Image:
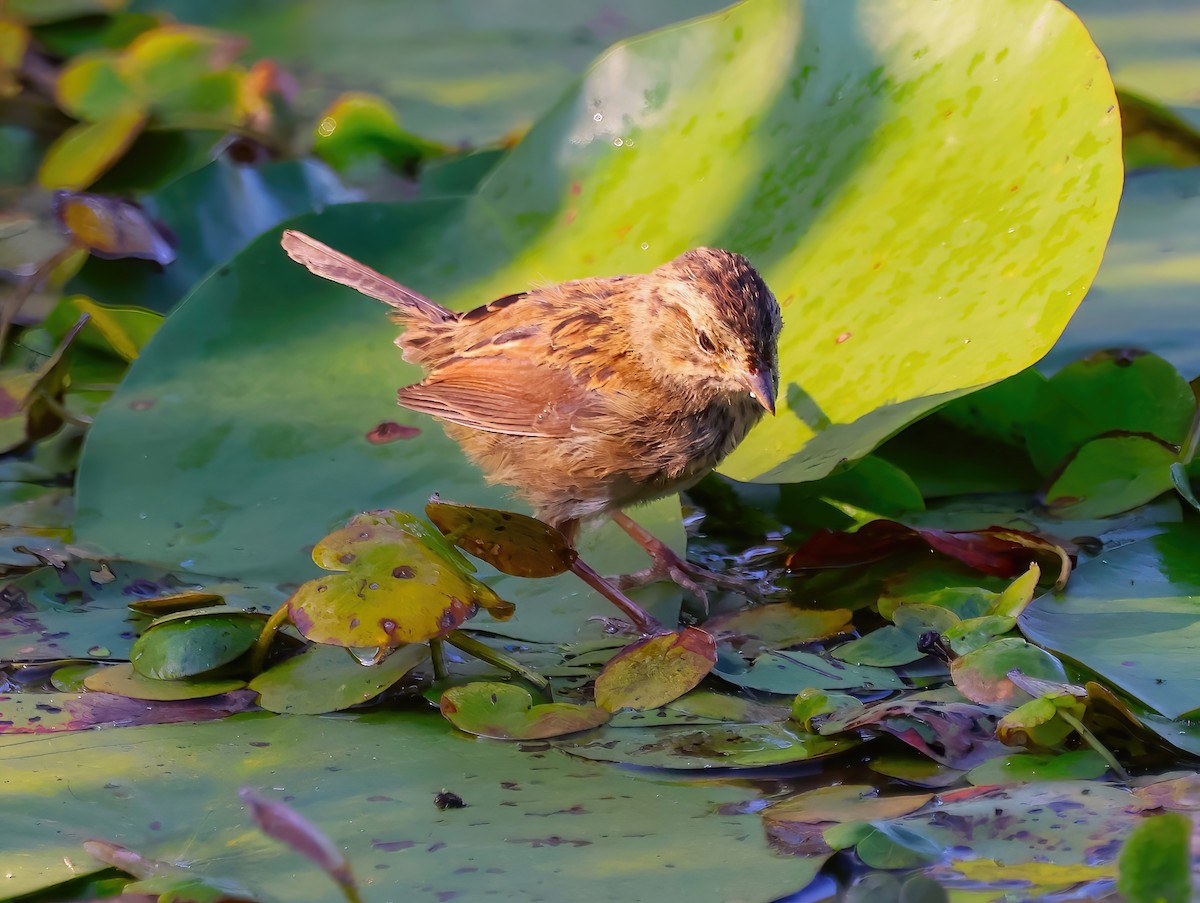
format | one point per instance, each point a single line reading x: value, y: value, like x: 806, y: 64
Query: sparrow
x: 594, y: 395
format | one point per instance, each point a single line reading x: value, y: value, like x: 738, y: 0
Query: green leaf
x: 195, y: 642
x: 1111, y: 474
x: 507, y: 712
x: 1120, y: 390
x: 1155, y: 864
x: 792, y: 672
x: 90, y: 87
x: 1080, y: 764
x: 981, y: 674
x: 325, y: 679
x: 361, y: 126
x: 84, y: 151
x: 1130, y: 617
x: 124, y: 681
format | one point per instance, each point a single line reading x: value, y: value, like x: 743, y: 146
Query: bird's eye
x: 706, y: 343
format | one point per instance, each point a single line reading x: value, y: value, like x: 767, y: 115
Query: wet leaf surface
x: 512, y: 543
x: 656, y: 670
x: 1111, y: 474
x: 940, y: 724
x: 507, y: 712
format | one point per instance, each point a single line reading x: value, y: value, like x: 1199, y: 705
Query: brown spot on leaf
x: 403, y: 572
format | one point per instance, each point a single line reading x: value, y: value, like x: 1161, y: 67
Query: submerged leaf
x: 777, y: 626
x: 507, y: 712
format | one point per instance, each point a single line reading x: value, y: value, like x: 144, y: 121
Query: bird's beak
x: 761, y: 386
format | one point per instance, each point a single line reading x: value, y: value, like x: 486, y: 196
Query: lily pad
x: 536, y: 824
x: 123, y: 680
x: 326, y: 679
x: 656, y: 670
x: 1080, y: 764
x: 982, y: 674
x: 507, y: 712
x: 1111, y: 474
x: 196, y: 643
x: 791, y: 672
x: 395, y: 589
x: 47, y: 713
x: 511, y: 543
x: 1130, y: 616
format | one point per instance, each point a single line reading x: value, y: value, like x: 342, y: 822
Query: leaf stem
x: 1095, y: 744
x: 437, y: 652
x: 258, y: 652
x: 484, y: 652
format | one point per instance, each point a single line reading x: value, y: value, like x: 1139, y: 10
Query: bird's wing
x: 504, y: 395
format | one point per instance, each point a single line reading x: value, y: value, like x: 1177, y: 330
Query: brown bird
x: 596, y: 394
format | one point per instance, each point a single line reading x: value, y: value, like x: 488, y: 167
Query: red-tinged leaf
x: 400, y: 585
x: 511, y: 543
x: 112, y: 228
x: 656, y: 670
x: 506, y: 712
x: 938, y: 724
x: 982, y: 674
x: 46, y: 713
x: 1000, y: 551
x: 285, y: 824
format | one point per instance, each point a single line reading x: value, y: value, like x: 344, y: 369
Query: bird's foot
x: 691, y: 577
x: 669, y: 565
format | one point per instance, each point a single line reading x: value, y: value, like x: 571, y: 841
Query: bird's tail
x: 337, y: 267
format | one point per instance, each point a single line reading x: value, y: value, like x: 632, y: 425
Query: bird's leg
x: 670, y: 566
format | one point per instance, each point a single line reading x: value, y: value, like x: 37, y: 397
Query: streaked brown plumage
x: 592, y: 395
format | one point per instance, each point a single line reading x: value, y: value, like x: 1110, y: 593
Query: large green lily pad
x: 536, y: 824
x: 1132, y: 617
x: 803, y: 135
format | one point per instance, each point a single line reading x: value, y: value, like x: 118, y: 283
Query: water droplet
x: 617, y: 142
x: 599, y: 117
x: 99, y: 652
x: 142, y: 515
x: 645, y: 246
